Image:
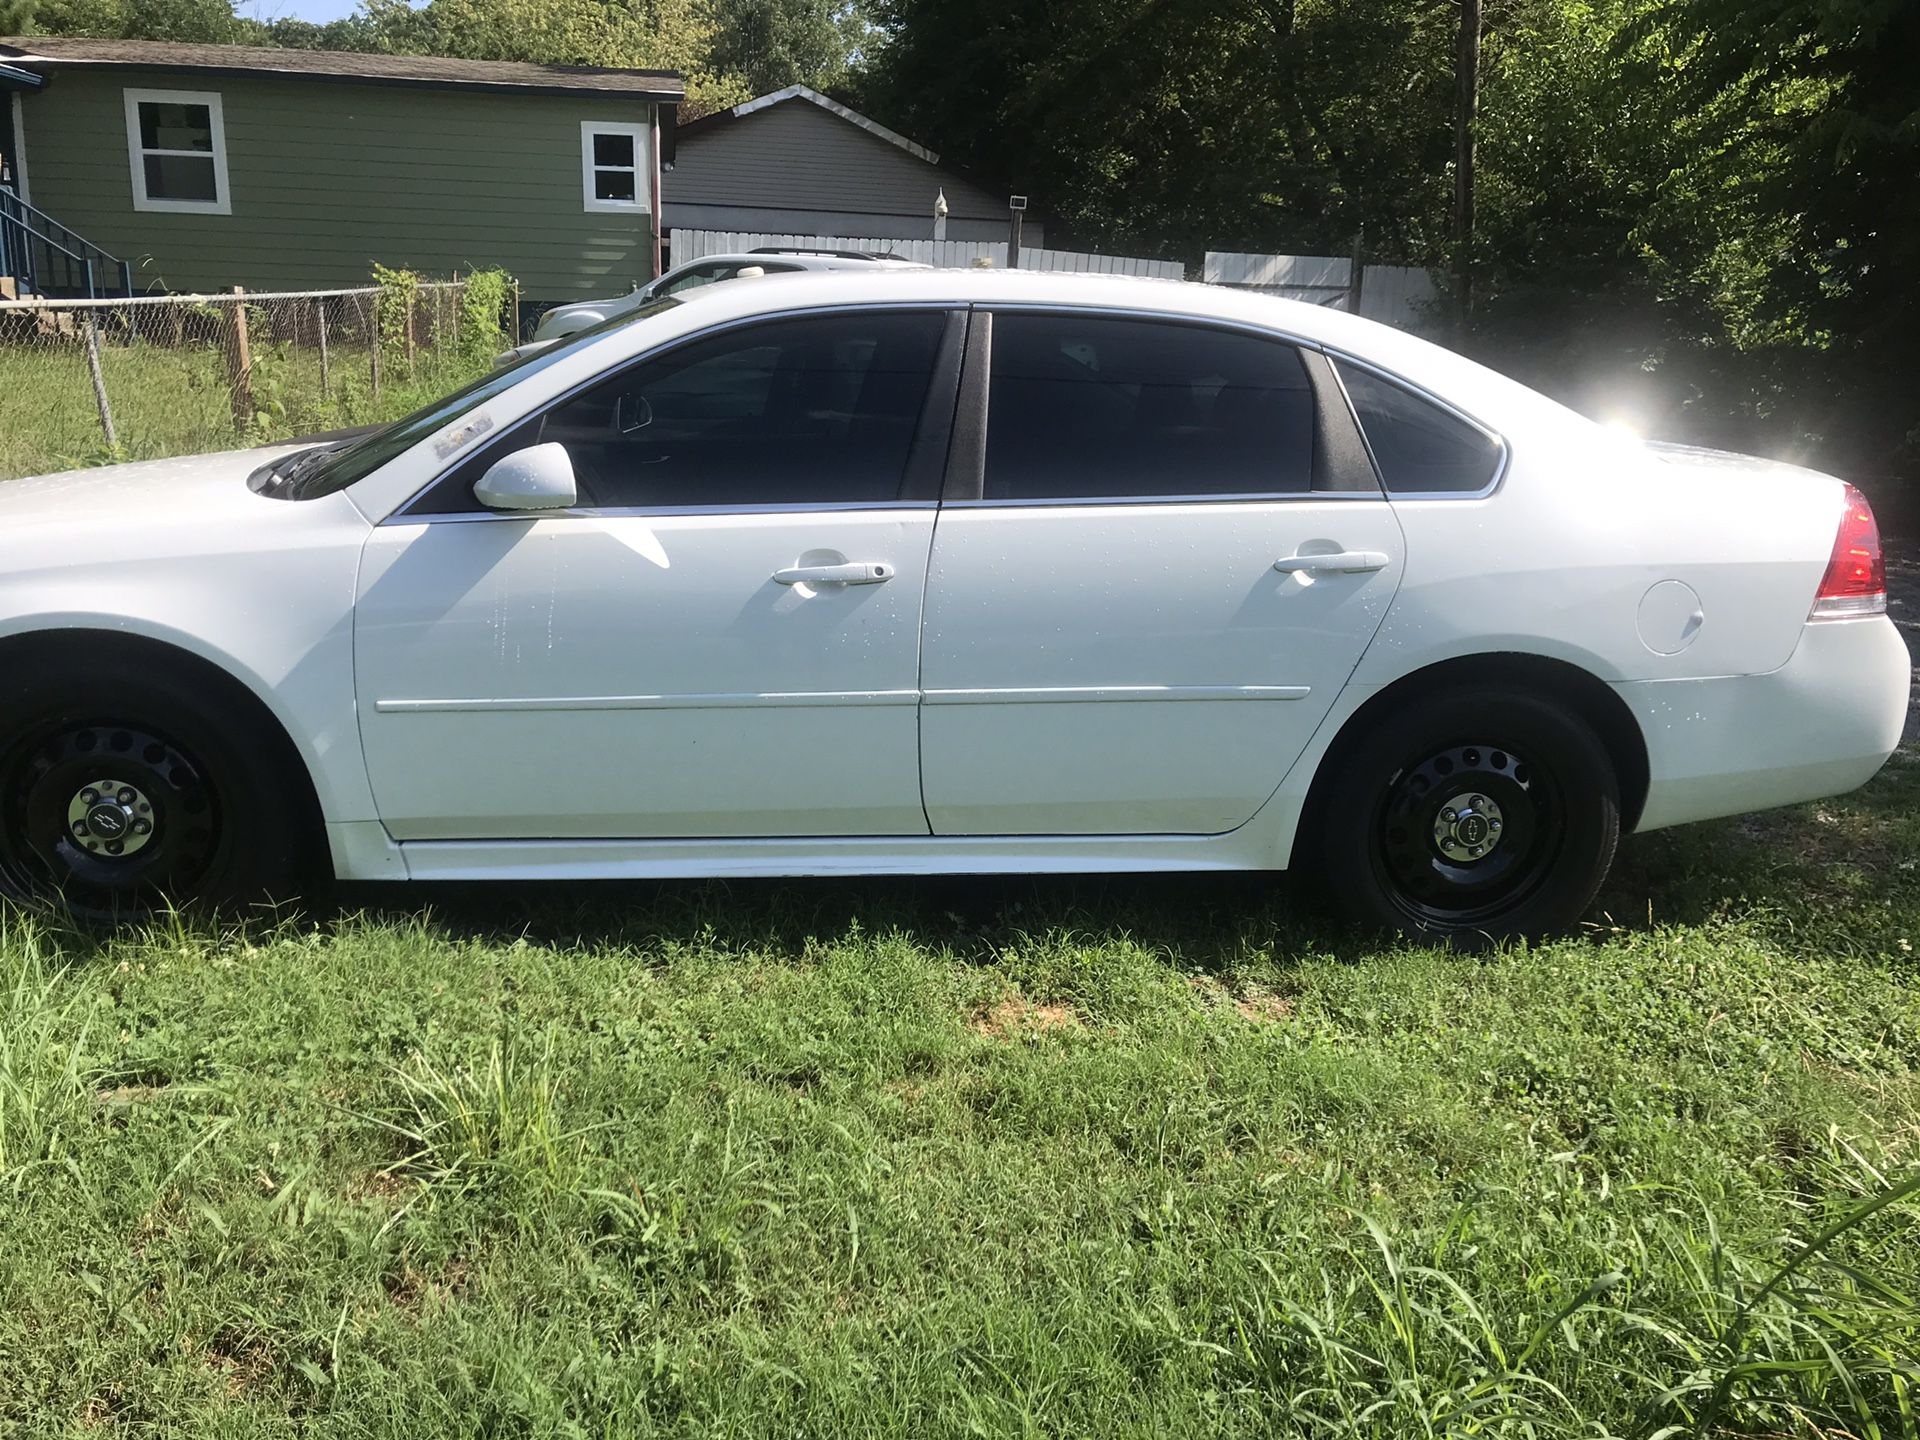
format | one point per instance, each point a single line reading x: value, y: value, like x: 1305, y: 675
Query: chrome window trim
x: 643, y: 512
x: 1077, y: 502
x: 1342, y: 357
x: 399, y: 514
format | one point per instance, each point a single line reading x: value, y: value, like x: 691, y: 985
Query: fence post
x: 239, y: 362
x: 370, y: 311
x: 515, y: 331
x: 1356, y: 279
x: 99, y: 382
x: 320, y: 323
x: 413, y: 311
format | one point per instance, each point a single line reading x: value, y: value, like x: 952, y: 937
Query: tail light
x: 1856, y: 578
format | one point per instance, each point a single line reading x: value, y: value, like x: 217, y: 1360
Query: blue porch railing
x: 49, y: 259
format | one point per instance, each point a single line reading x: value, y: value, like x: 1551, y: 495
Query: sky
x: 318, y: 11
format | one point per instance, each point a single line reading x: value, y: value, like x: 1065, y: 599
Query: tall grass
x: 490, y: 1116
x: 1687, y: 1337
x: 47, y: 1069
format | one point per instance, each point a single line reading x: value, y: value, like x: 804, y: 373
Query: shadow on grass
x: 1800, y: 871
x: 1204, y: 921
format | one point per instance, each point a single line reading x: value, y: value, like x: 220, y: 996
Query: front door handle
x: 855, y: 572
x: 1340, y: 562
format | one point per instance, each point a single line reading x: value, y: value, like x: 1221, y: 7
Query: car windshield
x: 325, y: 469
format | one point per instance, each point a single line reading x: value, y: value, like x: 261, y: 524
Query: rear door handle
x: 1340, y: 562
x: 855, y: 572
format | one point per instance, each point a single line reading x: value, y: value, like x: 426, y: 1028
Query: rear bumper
x: 1822, y: 724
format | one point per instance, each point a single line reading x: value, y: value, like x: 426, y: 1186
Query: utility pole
x: 1466, y: 106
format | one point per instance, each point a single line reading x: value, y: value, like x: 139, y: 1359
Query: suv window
x: 1084, y: 406
x: 1418, y: 448
x: 802, y: 411
x: 719, y: 270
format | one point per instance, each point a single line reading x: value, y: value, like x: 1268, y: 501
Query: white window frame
x: 222, y: 203
x: 642, y: 188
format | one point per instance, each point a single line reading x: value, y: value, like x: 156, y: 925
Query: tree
x: 1176, y: 125
x: 1466, y: 79
x: 775, y: 43
x: 194, y: 21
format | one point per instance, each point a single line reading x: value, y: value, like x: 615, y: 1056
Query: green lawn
x: 1107, y: 1156
x: 174, y: 400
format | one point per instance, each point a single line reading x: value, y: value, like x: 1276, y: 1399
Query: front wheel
x: 123, y: 793
x: 1487, y: 812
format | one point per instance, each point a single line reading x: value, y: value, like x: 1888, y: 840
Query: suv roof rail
x: 824, y: 250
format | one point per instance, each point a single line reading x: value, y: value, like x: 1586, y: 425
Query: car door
x: 1154, y: 572
x: 720, y: 639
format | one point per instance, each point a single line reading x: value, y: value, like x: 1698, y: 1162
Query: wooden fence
x: 1393, y: 294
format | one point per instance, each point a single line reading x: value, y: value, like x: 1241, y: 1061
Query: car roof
x: 805, y: 259
x: 1432, y: 367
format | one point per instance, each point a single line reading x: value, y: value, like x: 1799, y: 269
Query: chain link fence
x: 91, y: 382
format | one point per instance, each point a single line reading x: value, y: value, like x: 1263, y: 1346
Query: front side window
x: 1093, y: 407
x: 812, y: 410
x: 176, y: 140
x: 327, y: 469
x: 1419, y: 448
x: 613, y: 165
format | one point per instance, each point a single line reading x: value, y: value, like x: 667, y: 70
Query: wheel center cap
x: 1468, y: 827
x: 111, y: 819
x: 109, y: 822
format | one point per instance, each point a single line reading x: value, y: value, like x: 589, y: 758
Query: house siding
x: 795, y: 156
x: 328, y: 178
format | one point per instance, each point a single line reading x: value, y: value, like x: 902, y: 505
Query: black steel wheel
x: 126, y: 789
x: 1471, y: 813
x: 1467, y: 832
x: 104, y: 817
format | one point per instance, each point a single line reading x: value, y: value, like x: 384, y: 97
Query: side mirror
x: 537, y: 478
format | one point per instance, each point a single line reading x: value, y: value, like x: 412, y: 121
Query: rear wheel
x: 123, y: 793
x: 1485, y: 812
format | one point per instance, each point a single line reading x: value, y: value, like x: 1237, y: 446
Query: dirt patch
x: 1015, y: 1015
x: 383, y: 1185
x: 1264, y: 1007
x: 120, y: 1096
x: 414, y: 1291
x: 244, y: 1362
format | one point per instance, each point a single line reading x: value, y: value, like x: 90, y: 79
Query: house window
x: 613, y: 165
x: 177, y: 143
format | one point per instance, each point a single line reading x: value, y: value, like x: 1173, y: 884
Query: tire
x: 1478, y: 813
x: 126, y: 790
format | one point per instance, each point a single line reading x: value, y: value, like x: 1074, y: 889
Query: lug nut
x: 1448, y: 816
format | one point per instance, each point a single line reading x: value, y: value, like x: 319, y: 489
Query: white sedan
x: 936, y: 572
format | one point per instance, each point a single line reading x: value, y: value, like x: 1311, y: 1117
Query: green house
x: 208, y: 166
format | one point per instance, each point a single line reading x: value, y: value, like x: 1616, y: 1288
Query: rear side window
x: 1090, y: 407
x: 1419, y: 448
